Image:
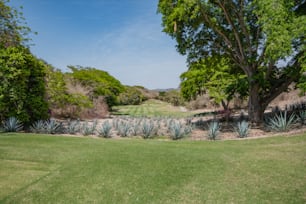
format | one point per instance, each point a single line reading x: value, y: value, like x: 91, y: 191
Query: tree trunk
x: 255, y: 107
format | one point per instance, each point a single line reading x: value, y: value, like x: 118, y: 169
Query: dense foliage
x: 100, y: 82
x: 131, y: 96
x: 60, y: 99
x: 22, y: 88
x: 13, y: 29
x: 264, y: 38
x: 173, y: 97
x: 216, y: 76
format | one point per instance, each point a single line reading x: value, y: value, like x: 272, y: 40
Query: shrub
x: 201, y: 101
x: 213, y: 130
x: 131, y: 96
x: 242, y: 129
x: 172, y: 96
x: 100, y: 82
x: 12, y: 124
x: 105, y: 130
x: 280, y: 122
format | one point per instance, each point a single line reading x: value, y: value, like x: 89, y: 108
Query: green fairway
x: 152, y: 108
x: 52, y: 169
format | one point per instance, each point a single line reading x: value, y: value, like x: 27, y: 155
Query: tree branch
x: 239, y: 43
x: 276, y: 91
x: 243, y: 26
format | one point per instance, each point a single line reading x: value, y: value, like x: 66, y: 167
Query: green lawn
x: 152, y: 108
x: 50, y: 169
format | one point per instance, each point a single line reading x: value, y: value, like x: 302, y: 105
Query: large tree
x: 22, y: 86
x: 264, y: 38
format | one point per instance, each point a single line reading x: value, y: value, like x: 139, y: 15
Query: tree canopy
x: 100, y: 82
x: 22, y: 87
x: 264, y: 38
x: 213, y: 75
x: 13, y: 28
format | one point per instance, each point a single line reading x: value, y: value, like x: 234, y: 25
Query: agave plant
x: 124, y: 129
x: 38, y: 127
x: 213, y: 130
x: 12, y: 124
x: 281, y: 122
x: 105, y: 130
x: 116, y: 123
x: 302, y: 116
x: 53, y: 127
x: 135, y: 128
x: 147, y: 129
x: 89, y: 129
x: 73, y: 127
x: 242, y: 129
x: 178, y: 131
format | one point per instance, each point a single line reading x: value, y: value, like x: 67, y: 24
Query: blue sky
x: 122, y: 37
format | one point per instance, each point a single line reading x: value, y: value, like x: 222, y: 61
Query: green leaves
x: 262, y: 39
x: 13, y: 29
x: 22, y: 90
x: 213, y: 75
x: 99, y: 82
x: 279, y: 25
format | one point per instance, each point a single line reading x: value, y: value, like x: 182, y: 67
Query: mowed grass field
x: 58, y: 169
x: 152, y: 108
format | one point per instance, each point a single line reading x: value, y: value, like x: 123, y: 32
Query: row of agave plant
x: 123, y: 127
x: 280, y: 121
x: 152, y: 127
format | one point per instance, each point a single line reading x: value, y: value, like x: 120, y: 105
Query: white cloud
x: 134, y: 50
x: 138, y: 54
